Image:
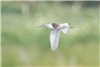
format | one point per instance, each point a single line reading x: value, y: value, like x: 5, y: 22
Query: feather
x: 54, y: 38
x: 64, y: 30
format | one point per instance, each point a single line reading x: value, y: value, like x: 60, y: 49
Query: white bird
x: 55, y: 32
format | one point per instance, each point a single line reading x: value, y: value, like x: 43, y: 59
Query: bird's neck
x: 49, y: 26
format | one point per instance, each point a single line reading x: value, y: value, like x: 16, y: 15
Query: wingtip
x: 52, y: 50
x: 65, y: 32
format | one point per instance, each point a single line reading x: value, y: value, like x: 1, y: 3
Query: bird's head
x: 44, y: 25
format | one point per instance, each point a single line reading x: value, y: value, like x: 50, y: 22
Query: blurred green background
x: 22, y: 44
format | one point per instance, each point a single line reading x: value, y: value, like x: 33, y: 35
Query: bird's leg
x: 71, y: 27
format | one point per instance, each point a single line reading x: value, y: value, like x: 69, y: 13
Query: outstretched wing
x: 54, y: 38
x: 64, y: 30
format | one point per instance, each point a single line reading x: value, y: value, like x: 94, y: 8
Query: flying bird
x: 55, y: 32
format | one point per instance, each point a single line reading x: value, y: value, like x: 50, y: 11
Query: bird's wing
x: 54, y: 38
x: 65, y: 29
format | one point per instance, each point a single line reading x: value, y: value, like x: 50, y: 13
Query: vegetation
x: 25, y: 45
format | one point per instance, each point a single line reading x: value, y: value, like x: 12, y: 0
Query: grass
x: 25, y: 45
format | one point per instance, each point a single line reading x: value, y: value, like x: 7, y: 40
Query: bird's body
x: 55, y: 32
x: 55, y: 25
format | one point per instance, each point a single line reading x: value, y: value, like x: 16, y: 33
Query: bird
x: 55, y: 33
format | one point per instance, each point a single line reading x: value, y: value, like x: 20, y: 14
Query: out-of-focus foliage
x: 25, y: 45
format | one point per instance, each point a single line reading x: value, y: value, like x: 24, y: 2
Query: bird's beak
x: 39, y: 26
